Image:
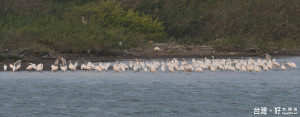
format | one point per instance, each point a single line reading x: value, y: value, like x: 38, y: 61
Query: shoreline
x: 105, y: 58
x: 48, y: 60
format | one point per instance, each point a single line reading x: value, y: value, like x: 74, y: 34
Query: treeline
x: 56, y: 25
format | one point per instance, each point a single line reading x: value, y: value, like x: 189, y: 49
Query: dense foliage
x: 56, y: 25
x: 263, y: 24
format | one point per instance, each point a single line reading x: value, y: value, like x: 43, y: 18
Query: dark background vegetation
x: 55, y: 25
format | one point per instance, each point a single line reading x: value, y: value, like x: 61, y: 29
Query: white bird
x: 90, y: 65
x: 243, y: 68
x: 153, y: 68
x: 116, y: 68
x: 268, y: 57
x: 283, y: 67
x: 231, y: 68
x: 63, y: 67
x: 199, y: 69
x: 54, y: 68
x: 238, y: 67
x: 82, y: 67
x: 212, y: 68
x: 163, y: 67
x: 265, y: 68
x: 83, y: 20
x: 85, y: 67
x: 39, y: 67
x: 130, y: 64
x: 98, y: 68
x: 11, y: 66
x: 145, y: 69
x: 188, y: 68
x: 18, y: 66
x: 31, y: 67
x: 14, y: 67
x: 257, y: 69
x: 250, y: 68
x: 270, y: 65
x: 157, y: 49
x: 276, y: 64
x: 122, y: 67
x: 291, y: 64
x: 171, y: 69
x: 221, y: 67
x: 72, y: 67
x: 5, y: 67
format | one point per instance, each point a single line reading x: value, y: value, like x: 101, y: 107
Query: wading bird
x: 13, y: 67
x: 268, y: 57
x: 291, y: 65
x: 4, y: 67
x: 31, y: 66
x: 157, y: 49
x: 54, y: 68
x: 283, y: 66
x: 73, y: 67
x: 63, y: 68
x: 83, y: 20
x: 39, y: 67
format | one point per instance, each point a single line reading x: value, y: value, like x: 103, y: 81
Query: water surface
x: 132, y: 94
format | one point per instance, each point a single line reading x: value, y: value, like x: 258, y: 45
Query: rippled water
x: 146, y: 94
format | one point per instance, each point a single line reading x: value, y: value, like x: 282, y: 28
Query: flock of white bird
x: 172, y: 65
